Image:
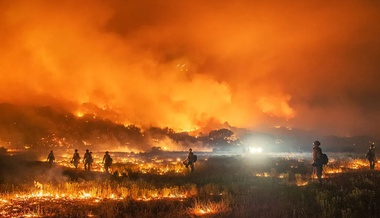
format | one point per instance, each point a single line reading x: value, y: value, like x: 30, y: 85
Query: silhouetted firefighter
x: 107, y: 160
x: 190, y: 160
x: 317, y: 160
x: 75, y: 159
x: 50, y: 158
x: 87, y: 159
x: 371, y: 156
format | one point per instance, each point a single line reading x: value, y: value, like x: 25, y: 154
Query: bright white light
x: 255, y: 150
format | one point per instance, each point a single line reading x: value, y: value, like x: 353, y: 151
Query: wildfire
x: 342, y: 166
x: 333, y: 171
x: 208, y: 208
x: 264, y: 174
x: 358, y: 163
x: 134, y: 163
x: 12, y: 204
x: 79, y: 114
x: 302, y: 183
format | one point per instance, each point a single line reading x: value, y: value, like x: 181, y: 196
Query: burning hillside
x: 171, y: 64
x: 51, y: 128
x: 29, y: 127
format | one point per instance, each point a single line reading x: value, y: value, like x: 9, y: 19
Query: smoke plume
x: 254, y: 64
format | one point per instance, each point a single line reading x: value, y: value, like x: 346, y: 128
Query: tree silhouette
x: 220, y: 139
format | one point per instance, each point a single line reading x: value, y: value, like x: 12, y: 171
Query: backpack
x: 108, y: 161
x: 371, y: 155
x: 195, y: 158
x: 324, y: 159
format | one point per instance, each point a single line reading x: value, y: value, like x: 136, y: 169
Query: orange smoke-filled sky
x: 310, y: 65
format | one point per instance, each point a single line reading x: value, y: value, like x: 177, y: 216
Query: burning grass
x: 90, y: 193
x: 222, y: 186
x: 201, y: 208
x: 130, y: 162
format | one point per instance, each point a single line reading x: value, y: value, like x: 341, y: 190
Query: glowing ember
x: 79, y: 114
x: 302, y: 183
x: 265, y: 174
x: 207, y: 208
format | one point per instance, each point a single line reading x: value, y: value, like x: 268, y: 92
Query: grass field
x: 221, y: 186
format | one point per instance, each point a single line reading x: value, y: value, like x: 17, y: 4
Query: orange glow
x: 276, y: 106
x: 79, y: 114
x: 278, y: 64
x: 208, y: 208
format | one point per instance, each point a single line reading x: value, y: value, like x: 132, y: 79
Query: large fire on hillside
x: 176, y: 67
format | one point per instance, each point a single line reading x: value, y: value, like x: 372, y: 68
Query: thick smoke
x: 180, y: 64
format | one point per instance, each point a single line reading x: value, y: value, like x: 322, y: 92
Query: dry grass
x: 218, y: 188
x: 201, y: 208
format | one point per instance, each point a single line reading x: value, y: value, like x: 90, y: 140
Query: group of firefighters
x: 191, y: 158
x: 107, y: 160
x: 87, y: 160
x: 317, y: 159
